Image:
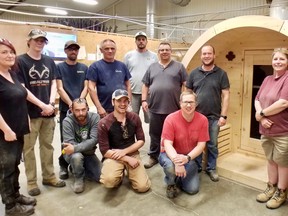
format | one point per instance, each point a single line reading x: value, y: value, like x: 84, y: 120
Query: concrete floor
x: 224, y: 198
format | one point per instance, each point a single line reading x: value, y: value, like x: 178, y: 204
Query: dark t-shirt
x: 208, y: 86
x: 164, y: 86
x: 13, y: 107
x: 73, y: 78
x: 111, y: 133
x: 108, y: 77
x: 37, y: 75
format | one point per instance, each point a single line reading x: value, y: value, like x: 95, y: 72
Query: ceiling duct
x: 279, y: 9
x: 181, y: 3
x: 150, y: 18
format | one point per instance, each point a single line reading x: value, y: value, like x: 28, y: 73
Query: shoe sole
x: 276, y: 207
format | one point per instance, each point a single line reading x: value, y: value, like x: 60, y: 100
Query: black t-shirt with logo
x: 37, y: 75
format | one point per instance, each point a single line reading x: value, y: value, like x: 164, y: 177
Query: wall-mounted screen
x: 55, y: 46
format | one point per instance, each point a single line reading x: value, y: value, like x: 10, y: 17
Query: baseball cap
x: 36, y: 33
x: 119, y: 93
x: 70, y: 43
x: 140, y: 33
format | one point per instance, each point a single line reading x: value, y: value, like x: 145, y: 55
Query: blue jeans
x: 190, y: 184
x: 212, y: 147
x: 84, y: 166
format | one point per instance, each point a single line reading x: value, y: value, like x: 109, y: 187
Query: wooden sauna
x: 243, y: 49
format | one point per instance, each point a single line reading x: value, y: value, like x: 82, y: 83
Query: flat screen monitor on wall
x: 55, y: 46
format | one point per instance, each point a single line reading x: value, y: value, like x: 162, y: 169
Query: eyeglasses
x: 125, y: 134
x: 191, y: 103
x: 164, y: 50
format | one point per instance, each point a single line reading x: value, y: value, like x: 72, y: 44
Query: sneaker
x: 171, y: 191
x: 267, y: 193
x: 23, y: 200
x: 213, y: 175
x: 78, y: 186
x: 63, y: 173
x: 151, y: 162
x: 278, y: 198
x: 20, y: 210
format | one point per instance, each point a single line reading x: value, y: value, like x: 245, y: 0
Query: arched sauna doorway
x: 243, y: 49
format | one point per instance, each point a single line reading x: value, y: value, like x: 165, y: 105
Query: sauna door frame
x: 251, y: 58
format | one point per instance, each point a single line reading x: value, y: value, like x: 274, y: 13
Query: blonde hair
x: 283, y: 50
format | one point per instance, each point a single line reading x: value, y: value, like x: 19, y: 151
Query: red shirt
x: 185, y: 135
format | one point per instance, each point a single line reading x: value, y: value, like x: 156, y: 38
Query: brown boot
x: 23, y: 200
x: 277, y: 199
x: 267, y: 193
x: 20, y: 210
x: 151, y: 162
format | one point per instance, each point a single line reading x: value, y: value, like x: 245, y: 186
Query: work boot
x: 278, y: 198
x: 63, y: 173
x: 20, y: 210
x: 151, y: 162
x: 54, y: 182
x: 23, y: 200
x: 171, y: 191
x: 78, y: 186
x: 33, y: 190
x: 213, y: 175
x: 267, y: 193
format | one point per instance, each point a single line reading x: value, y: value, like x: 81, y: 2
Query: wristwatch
x: 261, y: 113
x: 188, y: 158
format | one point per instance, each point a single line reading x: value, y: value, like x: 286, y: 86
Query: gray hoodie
x: 83, y: 137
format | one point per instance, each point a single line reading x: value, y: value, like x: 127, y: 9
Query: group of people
x: 182, y: 121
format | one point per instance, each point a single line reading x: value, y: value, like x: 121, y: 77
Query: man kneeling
x: 79, y: 140
x: 184, y: 136
x: 117, y: 132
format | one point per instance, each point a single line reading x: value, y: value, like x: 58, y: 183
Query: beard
x: 207, y: 64
x: 72, y: 57
x: 141, y: 46
x: 80, y: 118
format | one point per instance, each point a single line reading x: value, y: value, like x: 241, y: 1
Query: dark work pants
x: 155, y: 130
x: 62, y: 161
x: 10, y: 156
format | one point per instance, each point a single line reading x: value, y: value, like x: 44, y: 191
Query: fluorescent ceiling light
x: 55, y: 11
x: 89, y: 2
